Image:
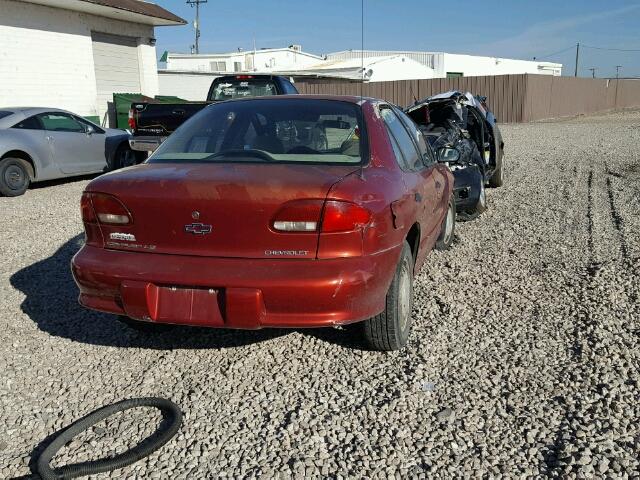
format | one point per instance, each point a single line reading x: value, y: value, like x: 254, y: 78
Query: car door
x: 418, y: 177
x: 74, y: 148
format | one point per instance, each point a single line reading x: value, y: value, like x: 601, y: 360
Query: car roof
x: 35, y: 110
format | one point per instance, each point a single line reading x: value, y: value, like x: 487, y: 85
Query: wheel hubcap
x: 483, y: 196
x: 448, y: 228
x: 14, y: 177
x: 404, y: 297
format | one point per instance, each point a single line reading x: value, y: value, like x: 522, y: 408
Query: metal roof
x: 126, y: 10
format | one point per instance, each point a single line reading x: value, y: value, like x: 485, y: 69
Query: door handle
x: 49, y: 138
x: 179, y: 111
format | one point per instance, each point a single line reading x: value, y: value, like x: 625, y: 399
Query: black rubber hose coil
x: 145, y: 448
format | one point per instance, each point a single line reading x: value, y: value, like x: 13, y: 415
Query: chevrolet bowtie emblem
x: 198, y: 228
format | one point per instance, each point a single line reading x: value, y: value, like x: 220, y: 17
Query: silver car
x: 39, y: 144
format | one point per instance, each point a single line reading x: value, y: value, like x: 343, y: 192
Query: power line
x: 613, y: 49
x: 556, y: 53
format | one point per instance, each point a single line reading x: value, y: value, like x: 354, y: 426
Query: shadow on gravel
x: 62, y: 181
x: 52, y: 303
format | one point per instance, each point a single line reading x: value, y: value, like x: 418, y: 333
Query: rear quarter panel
x: 34, y: 144
x: 377, y: 186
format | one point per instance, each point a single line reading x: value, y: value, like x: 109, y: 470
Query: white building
x: 456, y: 65
x: 74, y: 54
x: 262, y: 60
x: 371, y: 69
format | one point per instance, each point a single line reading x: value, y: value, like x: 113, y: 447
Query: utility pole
x: 593, y: 72
x: 196, y: 24
x: 577, y: 58
x: 618, y: 67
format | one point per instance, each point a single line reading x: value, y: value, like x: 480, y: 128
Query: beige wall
x: 513, y: 98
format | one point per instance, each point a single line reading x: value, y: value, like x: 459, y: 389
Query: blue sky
x: 515, y: 29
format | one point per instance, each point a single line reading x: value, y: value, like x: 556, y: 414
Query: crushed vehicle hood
x: 453, y: 97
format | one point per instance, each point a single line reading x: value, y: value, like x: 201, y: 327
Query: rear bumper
x: 234, y: 293
x: 145, y: 144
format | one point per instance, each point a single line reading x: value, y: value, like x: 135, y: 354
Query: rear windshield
x: 242, y: 88
x: 264, y: 130
x: 5, y: 113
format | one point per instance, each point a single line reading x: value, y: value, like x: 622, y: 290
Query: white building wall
x: 190, y: 86
x: 260, y: 61
x: 46, y: 57
x: 399, y: 68
x: 473, y: 66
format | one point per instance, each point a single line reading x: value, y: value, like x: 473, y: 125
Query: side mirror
x: 89, y: 130
x: 448, y: 155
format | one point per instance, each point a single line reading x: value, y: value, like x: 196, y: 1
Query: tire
x: 144, y: 327
x: 497, y: 179
x: 124, y: 157
x: 390, y: 329
x: 448, y: 229
x: 14, y: 177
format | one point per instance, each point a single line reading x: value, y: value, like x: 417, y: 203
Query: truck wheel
x: 390, y: 329
x: 14, y: 177
x: 497, y: 179
x: 144, y: 327
x: 448, y: 227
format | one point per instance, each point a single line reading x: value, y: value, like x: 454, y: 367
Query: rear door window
x: 423, y: 147
x: 30, y: 123
x: 401, y: 135
x: 5, y: 113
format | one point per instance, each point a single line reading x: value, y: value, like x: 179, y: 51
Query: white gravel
x: 524, y: 361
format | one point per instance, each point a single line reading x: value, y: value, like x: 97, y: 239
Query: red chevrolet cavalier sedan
x: 295, y: 211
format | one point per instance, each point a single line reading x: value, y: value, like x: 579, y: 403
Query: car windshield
x: 269, y: 130
x: 242, y: 88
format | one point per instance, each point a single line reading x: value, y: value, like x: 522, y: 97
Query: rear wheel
x: 144, y: 327
x: 390, y: 329
x: 14, y: 177
x: 448, y: 227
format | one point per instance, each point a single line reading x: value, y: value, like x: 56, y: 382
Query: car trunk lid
x: 222, y: 209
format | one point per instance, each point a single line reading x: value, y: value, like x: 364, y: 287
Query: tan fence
x: 513, y: 98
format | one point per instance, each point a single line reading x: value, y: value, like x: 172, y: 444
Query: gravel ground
x: 525, y: 358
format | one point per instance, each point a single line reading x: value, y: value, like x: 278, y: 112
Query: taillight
x: 342, y: 216
x: 305, y: 216
x: 132, y: 119
x: 88, y: 215
x: 110, y: 210
x: 106, y: 209
x: 298, y: 216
